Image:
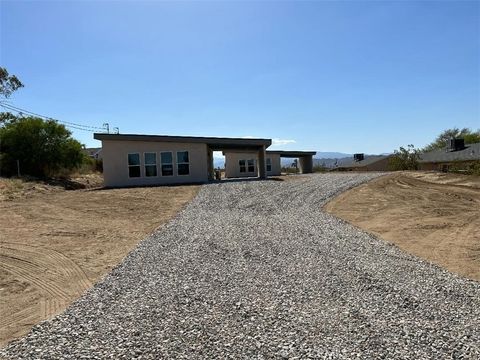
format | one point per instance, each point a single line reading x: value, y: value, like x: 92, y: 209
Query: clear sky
x: 327, y: 76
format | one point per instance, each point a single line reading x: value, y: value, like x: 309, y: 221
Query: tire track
x: 28, y: 314
x: 46, y: 260
x: 23, y: 271
x: 57, y: 278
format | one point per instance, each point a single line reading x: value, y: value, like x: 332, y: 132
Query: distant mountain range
x: 331, y: 155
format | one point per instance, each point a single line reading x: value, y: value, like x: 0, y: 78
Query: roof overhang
x: 215, y: 143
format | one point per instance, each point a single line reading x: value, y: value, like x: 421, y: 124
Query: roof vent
x: 456, y: 144
x: 358, y: 157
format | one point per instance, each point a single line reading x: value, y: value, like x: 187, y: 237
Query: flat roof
x: 368, y: 160
x: 469, y: 152
x: 291, y: 154
x: 215, y: 143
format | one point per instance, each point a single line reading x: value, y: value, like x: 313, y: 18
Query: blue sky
x: 327, y: 76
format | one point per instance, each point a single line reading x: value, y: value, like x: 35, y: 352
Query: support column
x: 306, y: 164
x: 210, y: 166
x: 262, y: 163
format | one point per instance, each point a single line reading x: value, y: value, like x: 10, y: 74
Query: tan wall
x: 115, y: 163
x: 232, y: 168
x: 276, y: 165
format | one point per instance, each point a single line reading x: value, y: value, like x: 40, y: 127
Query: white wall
x: 232, y: 167
x: 115, y: 162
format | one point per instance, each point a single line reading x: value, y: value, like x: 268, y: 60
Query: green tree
x: 6, y: 117
x: 41, y: 147
x: 440, y: 142
x: 8, y: 83
x: 405, y: 159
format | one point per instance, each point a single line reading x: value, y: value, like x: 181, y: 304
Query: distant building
x: 95, y: 153
x: 456, y: 155
x: 360, y: 162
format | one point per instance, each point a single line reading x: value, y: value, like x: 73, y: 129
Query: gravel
x: 257, y: 270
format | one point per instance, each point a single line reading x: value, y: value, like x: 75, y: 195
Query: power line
x: 16, y: 108
x: 66, y: 123
x: 20, y: 110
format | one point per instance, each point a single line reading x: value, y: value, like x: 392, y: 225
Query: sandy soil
x: 54, y: 243
x: 432, y: 215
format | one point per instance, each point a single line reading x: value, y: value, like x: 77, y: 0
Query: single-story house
x: 138, y: 160
x: 242, y: 164
x: 456, y: 155
x: 360, y: 162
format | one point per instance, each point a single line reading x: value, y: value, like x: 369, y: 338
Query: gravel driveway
x: 257, y: 270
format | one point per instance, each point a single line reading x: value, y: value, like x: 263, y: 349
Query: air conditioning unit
x: 358, y: 157
x: 456, y: 144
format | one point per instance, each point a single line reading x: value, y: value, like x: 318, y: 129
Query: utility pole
x: 18, y: 168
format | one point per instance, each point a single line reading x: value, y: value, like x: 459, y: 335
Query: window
x: 242, y: 166
x: 167, y: 163
x: 183, y: 163
x: 150, y: 164
x: 134, y: 165
x: 269, y: 164
x: 251, y: 165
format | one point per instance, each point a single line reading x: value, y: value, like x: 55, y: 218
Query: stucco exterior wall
x: 232, y: 167
x: 116, y: 170
x: 276, y: 165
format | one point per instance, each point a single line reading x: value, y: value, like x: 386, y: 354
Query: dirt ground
x: 56, y: 243
x: 435, y: 216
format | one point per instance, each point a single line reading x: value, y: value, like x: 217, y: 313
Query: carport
x: 305, y: 158
x: 246, y: 145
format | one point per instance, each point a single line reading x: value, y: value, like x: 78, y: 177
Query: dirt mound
x: 432, y: 215
x: 14, y: 188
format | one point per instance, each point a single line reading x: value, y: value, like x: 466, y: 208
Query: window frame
x: 248, y: 166
x: 177, y: 163
x: 162, y: 163
x: 130, y: 166
x: 244, y: 166
x: 268, y: 164
x: 145, y: 164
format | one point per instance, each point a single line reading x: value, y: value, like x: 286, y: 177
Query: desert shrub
x: 404, y: 159
x: 90, y: 165
x: 42, y: 148
x: 475, y: 168
x: 290, y: 170
x: 470, y: 169
x: 319, y: 168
